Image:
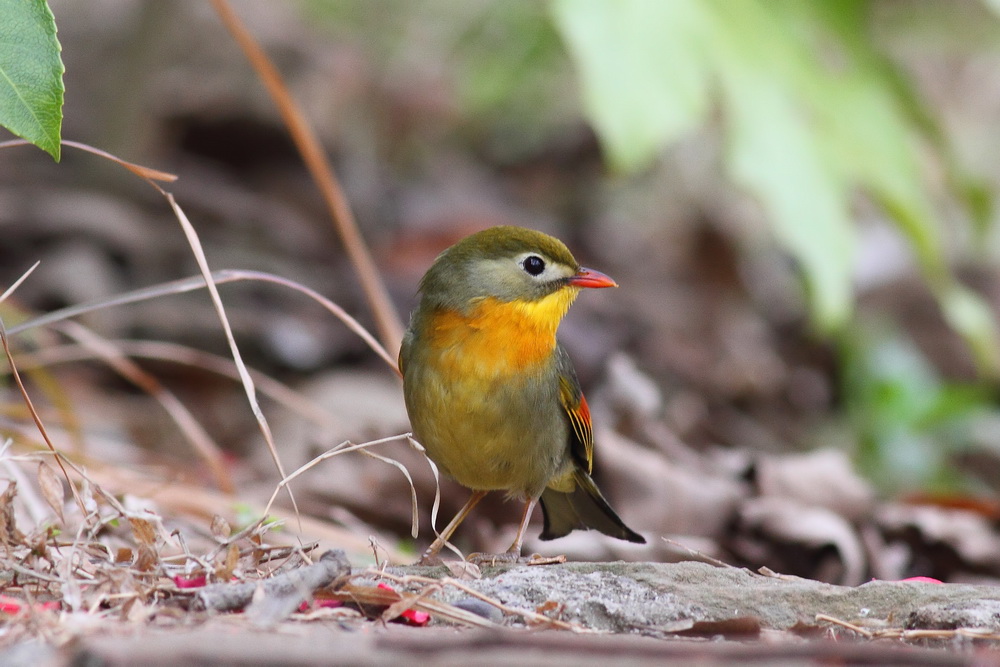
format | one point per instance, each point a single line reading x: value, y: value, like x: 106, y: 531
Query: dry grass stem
x: 248, y: 385
x: 186, y: 356
x: 17, y: 283
x: 151, y: 176
x: 34, y: 414
x: 911, y: 635
x: 146, y: 173
x: 345, y: 448
x: 197, y: 282
x: 395, y: 602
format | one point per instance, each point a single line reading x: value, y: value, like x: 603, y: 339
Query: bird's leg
x: 515, y: 548
x: 430, y: 556
x: 513, y: 554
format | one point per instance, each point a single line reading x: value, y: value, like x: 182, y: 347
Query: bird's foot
x: 495, y: 559
x: 430, y: 560
x: 539, y: 559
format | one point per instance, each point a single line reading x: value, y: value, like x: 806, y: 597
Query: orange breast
x: 498, y: 338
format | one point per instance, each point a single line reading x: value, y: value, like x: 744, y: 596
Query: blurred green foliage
x: 813, y: 114
x: 909, y: 422
x: 504, y: 62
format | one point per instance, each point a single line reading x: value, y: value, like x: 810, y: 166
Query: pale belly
x: 508, y: 435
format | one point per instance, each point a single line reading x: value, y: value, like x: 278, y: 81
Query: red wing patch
x: 576, y: 408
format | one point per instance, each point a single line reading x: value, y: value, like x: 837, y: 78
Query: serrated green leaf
x: 31, y: 85
x: 643, y: 70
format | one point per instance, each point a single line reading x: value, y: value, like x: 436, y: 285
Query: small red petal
x: 410, y: 616
x: 320, y: 604
x: 9, y: 605
x: 413, y: 617
x: 922, y: 580
x: 192, y: 582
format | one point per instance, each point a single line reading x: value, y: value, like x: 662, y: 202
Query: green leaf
x: 973, y: 319
x: 31, y: 86
x: 813, y: 112
x: 910, y: 421
x: 773, y: 153
x: 777, y: 148
x: 994, y: 5
x: 643, y: 68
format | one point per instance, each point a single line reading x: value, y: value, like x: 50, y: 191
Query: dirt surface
x: 640, y: 611
x: 650, y: 598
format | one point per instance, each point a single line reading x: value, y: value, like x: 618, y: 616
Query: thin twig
x: 711, y: 560
x: 343, y: 448
x: 383, y: 597
x: 34, y: 416
x: 911, y: 634
x: 17, y: 283
x: 868, y: 634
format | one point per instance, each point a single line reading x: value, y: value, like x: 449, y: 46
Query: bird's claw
x: 495, y: 559
x: 430, y: 560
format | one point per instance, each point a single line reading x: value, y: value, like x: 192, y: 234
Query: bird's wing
x: 575, y: 404
x: 404, y: 350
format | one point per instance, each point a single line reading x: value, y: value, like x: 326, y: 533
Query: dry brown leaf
x: 551, y: 608
x: 825, y: 478
x: 9, y: 534
x: 52, y: 489
x: 462, y: 569
x: 147, y: 558
x: 971, y: 536
x: 143, y: 530
x: 220, y: 528
x: 396, y: 609
x: 224, y: 571
x: 781, y: 531
x: 739, y: 627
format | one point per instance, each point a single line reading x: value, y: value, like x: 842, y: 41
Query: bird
x: 492, y: 396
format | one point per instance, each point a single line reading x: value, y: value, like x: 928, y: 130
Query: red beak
x: 591, y: 278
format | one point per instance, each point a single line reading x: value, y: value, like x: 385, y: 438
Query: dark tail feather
x: 584, y: 507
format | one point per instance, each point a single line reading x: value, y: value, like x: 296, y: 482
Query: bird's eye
x: 533, y: 264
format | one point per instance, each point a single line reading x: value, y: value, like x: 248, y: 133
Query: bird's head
x: 509, y: 265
